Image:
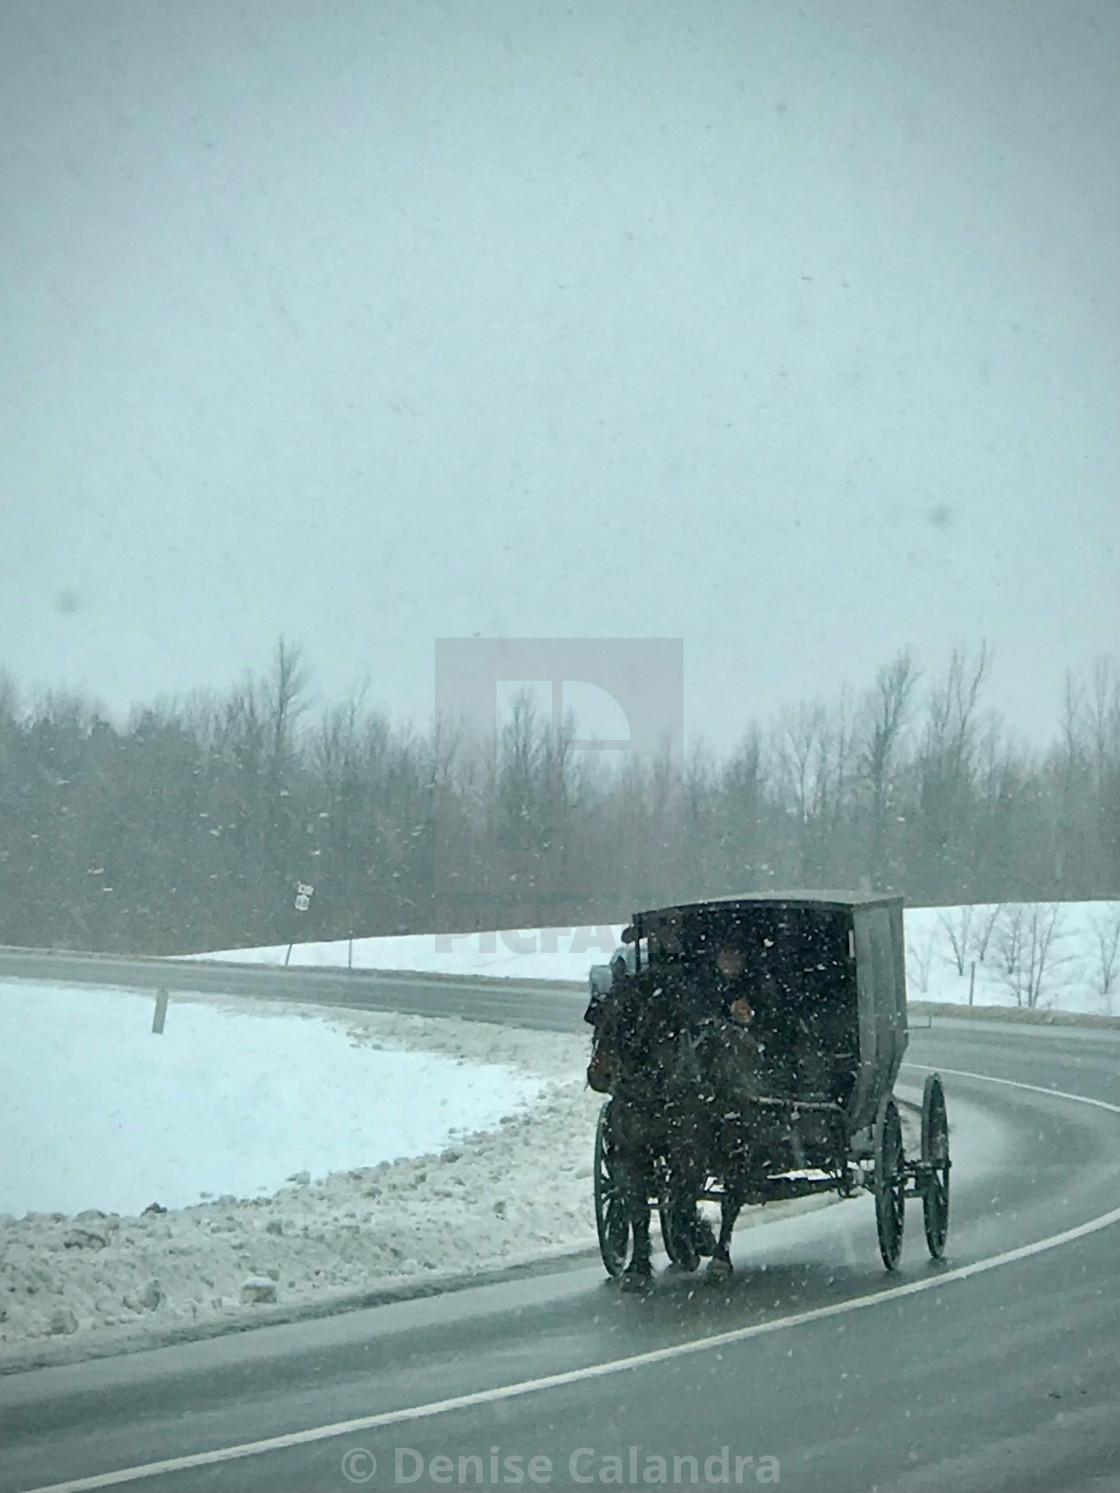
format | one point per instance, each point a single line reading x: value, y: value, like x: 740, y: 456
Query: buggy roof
x: 823, y: 901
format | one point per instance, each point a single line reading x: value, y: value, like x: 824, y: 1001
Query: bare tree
x: 986, y: 921
x: 741, y: 826
x: 886, y: 711
x: 945, y: 768
x: 1027, y: 940
x: 1105, y: 926
x: 956, y: 924
x: 1084, y: 785
x: 283, y: 699
x: 1104, y: 732
x: 814, y: 753
x: 919, y: 961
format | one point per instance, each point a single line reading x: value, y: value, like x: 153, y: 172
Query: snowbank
x: 496, y: 1171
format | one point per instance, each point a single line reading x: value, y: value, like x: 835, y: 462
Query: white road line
x: 614, y: 1365
x: 1012, y: 1083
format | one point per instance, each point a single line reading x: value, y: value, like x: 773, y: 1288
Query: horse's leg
x: 637, y: 1178
x: 702, y: 1157
x: 685, y: 1174
x: 731, y: 1203
x: 719, y: 1266
x: 636, y: 1187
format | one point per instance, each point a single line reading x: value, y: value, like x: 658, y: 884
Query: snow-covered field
x: 510, y: 953
x: 1053, y: 956
x: 1076, y: 971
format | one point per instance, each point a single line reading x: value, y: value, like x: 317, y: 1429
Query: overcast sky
x: 789, y: 329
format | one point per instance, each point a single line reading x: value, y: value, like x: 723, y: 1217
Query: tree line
x: 201, y: 824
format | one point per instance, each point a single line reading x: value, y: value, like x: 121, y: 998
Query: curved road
x: 530, y: 1005
x: 996, y: 1370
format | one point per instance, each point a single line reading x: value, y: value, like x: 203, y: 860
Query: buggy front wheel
x: 935, y: 1166
x: 890, y: 1182
x: 611, y: 1218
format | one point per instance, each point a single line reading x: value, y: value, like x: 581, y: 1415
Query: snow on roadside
x: 99, y: 1112
x: 510, y: 1191
x: 505, y: 953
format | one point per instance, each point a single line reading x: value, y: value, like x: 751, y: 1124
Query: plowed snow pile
x: 344, y: 1150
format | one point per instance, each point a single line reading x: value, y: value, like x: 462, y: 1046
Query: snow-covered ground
x: 509, y: 953
x: 405, y: 1146
x: 1079, y: 965
x: 100, y: 1112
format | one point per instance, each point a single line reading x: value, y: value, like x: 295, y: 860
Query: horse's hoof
x: 705, y: 1237
x: 682, y: 1242
x: 719, y: 1270
x: 636, y: 1279
x: 687, y: 1257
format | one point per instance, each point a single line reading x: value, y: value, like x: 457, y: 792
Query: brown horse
x: 678, y: 1084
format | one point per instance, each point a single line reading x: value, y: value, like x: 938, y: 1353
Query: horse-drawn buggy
x: 750, y: 1047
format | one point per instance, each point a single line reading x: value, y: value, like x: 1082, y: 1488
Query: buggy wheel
x: 890, y: 1182
x: 611, y: 1218
x: 935, y: 1166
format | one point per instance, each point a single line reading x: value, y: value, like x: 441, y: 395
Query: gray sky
x: 789, y: 329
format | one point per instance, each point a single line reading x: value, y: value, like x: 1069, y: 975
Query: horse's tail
x: 603, y: 1067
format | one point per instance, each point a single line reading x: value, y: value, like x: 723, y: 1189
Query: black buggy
x: 822, y: 978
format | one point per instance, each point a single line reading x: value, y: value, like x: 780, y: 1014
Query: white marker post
x: 304, y: 893
x: 160, y: 1014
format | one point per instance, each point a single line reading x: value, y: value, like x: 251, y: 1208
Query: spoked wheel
x: 935, y: 1165
x: 610, y: 1202
x: 890, y: 1182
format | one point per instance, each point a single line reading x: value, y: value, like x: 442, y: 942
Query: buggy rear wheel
x: 611, y: 1219
x: 890, y: 1182
x: 935, y: 1166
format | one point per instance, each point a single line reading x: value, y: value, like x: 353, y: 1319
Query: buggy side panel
x: 881, y: 978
